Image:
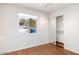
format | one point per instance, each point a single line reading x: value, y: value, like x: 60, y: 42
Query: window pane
x: 27, y: 23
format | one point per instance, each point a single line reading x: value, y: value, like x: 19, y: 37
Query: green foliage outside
x: 32, y: 23
x: 27, y: 22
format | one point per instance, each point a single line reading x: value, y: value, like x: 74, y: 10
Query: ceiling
x: 44, y: 7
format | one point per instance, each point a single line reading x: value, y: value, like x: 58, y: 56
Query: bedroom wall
x: 12, y: 40
x: 1, y: 26
x: 71, y: 26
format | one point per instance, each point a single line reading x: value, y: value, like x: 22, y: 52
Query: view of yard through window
x: 27, y: 23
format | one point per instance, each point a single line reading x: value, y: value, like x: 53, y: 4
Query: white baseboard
x: 72, y: 50
x: 4, y: 52
x: 53, y: 43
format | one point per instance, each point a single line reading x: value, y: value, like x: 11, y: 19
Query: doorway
x: 59, y: 31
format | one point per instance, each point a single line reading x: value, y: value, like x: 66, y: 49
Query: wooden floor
x: 47, y: 49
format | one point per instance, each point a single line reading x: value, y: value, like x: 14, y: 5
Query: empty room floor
x: 46, y: 49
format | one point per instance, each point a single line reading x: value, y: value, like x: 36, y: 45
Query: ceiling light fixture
x: 47, y: 5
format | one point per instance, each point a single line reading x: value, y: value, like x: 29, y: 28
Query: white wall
x: 12, y: 40
x: 1, y: 25
x: 71, y: 26
x: 52, y: 30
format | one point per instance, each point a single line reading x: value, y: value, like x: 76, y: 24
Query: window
x: 27, y: 23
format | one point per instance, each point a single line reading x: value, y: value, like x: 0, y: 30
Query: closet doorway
x: 59, y: 31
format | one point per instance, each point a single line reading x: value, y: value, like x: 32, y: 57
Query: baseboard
x: 23, y: 48
x: 54, y: 43
x: 72, y: 50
